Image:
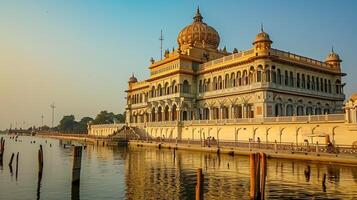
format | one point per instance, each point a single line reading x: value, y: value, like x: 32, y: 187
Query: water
x: 144, y: 173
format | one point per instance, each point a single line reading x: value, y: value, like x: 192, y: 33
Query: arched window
x: 279, y: 76
x: 233, y: 80
x: 239, y: 79
x: 289, y: 110
x: 273, y: 74
x: 200, y: 87
x: 153, y: 115
x: 329, y: 86
x: 174, y: 112
x: 220, y: 84
x: 245, y: 77
x: 338, y: 86
x: 259, y: 73
x: 153, y: 91
x: 166, y: 116
x: 167, y: 88
x: 226, y: 81
x: 291, y: 79
x: 159, y: 90
x: 308, y: 82
x: 174, y: 87
x: 286, y: 78
x: 215, y: 84
x: 325, y: 85
x: 298, y: 80
x: 303, y: 82
x: 317, y: 84
x: 159, y: 114
x: 185, y: 87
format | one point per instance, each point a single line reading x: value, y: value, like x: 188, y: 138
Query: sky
x: 80, y: 54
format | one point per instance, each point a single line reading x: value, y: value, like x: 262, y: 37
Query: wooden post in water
x: 76, y: 170
x: 263, y: 175
x: 199, y: 185
x: 2, y: 148
x: 40, y: 161
x: 253, y: 192
x: 324, y: 183
x: 258, y: 167
x: 11, y: 159
x: 17, y: 164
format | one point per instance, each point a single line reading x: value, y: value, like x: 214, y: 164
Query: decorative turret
x: 334, y: 60
x: 132, y: 79
x: 262, y: 42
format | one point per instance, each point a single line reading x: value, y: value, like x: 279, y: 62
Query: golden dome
x: 262, y: 37
x: 332, y: 56
x: 198, y: 34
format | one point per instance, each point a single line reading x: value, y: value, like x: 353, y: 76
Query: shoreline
x: 320, y: 157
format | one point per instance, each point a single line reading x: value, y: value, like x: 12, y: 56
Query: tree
x: 120, y: 118
x: 67, y: 124
x: 82, y: 125
x: 104, y: 118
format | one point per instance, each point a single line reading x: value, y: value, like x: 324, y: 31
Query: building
x: 104, y: 130
x: 199, y: 85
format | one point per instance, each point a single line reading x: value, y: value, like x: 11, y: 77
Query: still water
x: 144, y: 173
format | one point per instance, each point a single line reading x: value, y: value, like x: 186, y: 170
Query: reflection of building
x: 198, y: 91
x: 103, y: 129
x: 198, y: 81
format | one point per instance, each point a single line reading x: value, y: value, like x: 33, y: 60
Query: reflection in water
x: 75, y: 192
x: 146, y: 173
x: 154, y: 173
x: 39, y: 180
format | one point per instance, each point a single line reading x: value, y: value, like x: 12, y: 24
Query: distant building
x: 103, y: 130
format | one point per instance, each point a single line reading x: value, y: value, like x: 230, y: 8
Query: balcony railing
x: 284, y: 119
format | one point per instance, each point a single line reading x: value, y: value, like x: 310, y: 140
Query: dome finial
x: 332, y: 49
x: 198, y: 17
x: 261, y: 27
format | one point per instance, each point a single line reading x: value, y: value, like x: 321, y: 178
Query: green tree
x: 67, y: 124
x: 82, y: 125
x: 104, y: 117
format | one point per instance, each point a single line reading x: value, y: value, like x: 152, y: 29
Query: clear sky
x: 80, y: 54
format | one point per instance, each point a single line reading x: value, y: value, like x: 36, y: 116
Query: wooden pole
x: 2, y: 148
x: 252, y: 176
x: 324, y: 183
x: 263, y: 160
x: 40, y: 161
x: 17, y: 164
x: 76, y: 170
x: 11, y: 159
x: 199, y: 185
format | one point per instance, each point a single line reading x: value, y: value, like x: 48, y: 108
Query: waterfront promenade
x: 309, y: 152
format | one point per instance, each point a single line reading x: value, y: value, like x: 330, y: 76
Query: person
x: 258, y: 140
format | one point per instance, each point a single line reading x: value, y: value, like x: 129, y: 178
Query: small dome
x: 199, y: 34
x: 353, y: 97
x: 262, y: 37
x: 132, y: 79
x: 332, y: 56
